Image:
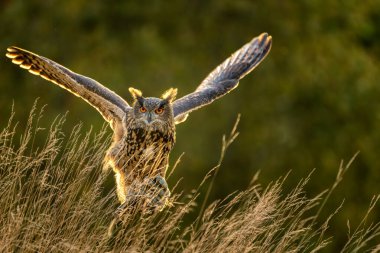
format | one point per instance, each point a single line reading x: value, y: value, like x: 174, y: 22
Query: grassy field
x: 53, y: 199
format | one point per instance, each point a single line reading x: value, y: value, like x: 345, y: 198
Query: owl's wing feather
x: 225, y: 77
x: 111, y: 106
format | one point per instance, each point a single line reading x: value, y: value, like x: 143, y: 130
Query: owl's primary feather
x: 144, y: 134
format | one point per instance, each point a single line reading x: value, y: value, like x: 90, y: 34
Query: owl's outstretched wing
x: 111, y: 106
x: 224, y: 78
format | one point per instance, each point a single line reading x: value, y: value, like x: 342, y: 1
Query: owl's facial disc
x: 153, y: 110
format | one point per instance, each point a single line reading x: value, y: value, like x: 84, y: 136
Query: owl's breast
x: 141, y: 152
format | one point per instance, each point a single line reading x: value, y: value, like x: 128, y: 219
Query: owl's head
x: 151, y: 111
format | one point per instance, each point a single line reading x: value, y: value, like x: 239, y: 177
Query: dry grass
x: 52, y: 200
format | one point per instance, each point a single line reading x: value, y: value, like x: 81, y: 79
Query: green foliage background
x: 312, y: 102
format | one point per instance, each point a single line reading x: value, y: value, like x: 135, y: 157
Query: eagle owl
x: 144, y: 133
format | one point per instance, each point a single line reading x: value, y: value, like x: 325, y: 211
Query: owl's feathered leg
x: 158, y: 193
x: 150, y: 195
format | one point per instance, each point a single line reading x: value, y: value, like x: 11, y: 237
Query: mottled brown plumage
x: 144, y: 134
x: 142, y: 148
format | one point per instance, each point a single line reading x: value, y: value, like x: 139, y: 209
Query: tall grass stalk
x: 53, y: 199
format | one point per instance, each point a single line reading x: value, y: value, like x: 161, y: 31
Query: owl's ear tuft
x: 136, y: 94
x: 170, y: 94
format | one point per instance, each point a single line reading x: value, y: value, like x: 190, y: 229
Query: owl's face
x: 153, y: 113
x: 153, y: 110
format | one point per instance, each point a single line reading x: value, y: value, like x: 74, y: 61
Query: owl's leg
x: 151, y: 195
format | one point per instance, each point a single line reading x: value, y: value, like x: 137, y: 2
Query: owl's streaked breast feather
x: 111, y: 106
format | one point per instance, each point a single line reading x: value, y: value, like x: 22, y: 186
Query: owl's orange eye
x: 142, y: 109
x: 159, y: 111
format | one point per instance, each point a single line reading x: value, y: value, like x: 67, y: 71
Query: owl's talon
x: 158, y: 193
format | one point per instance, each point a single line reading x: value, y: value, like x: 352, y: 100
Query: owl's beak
x: 149, y: 117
